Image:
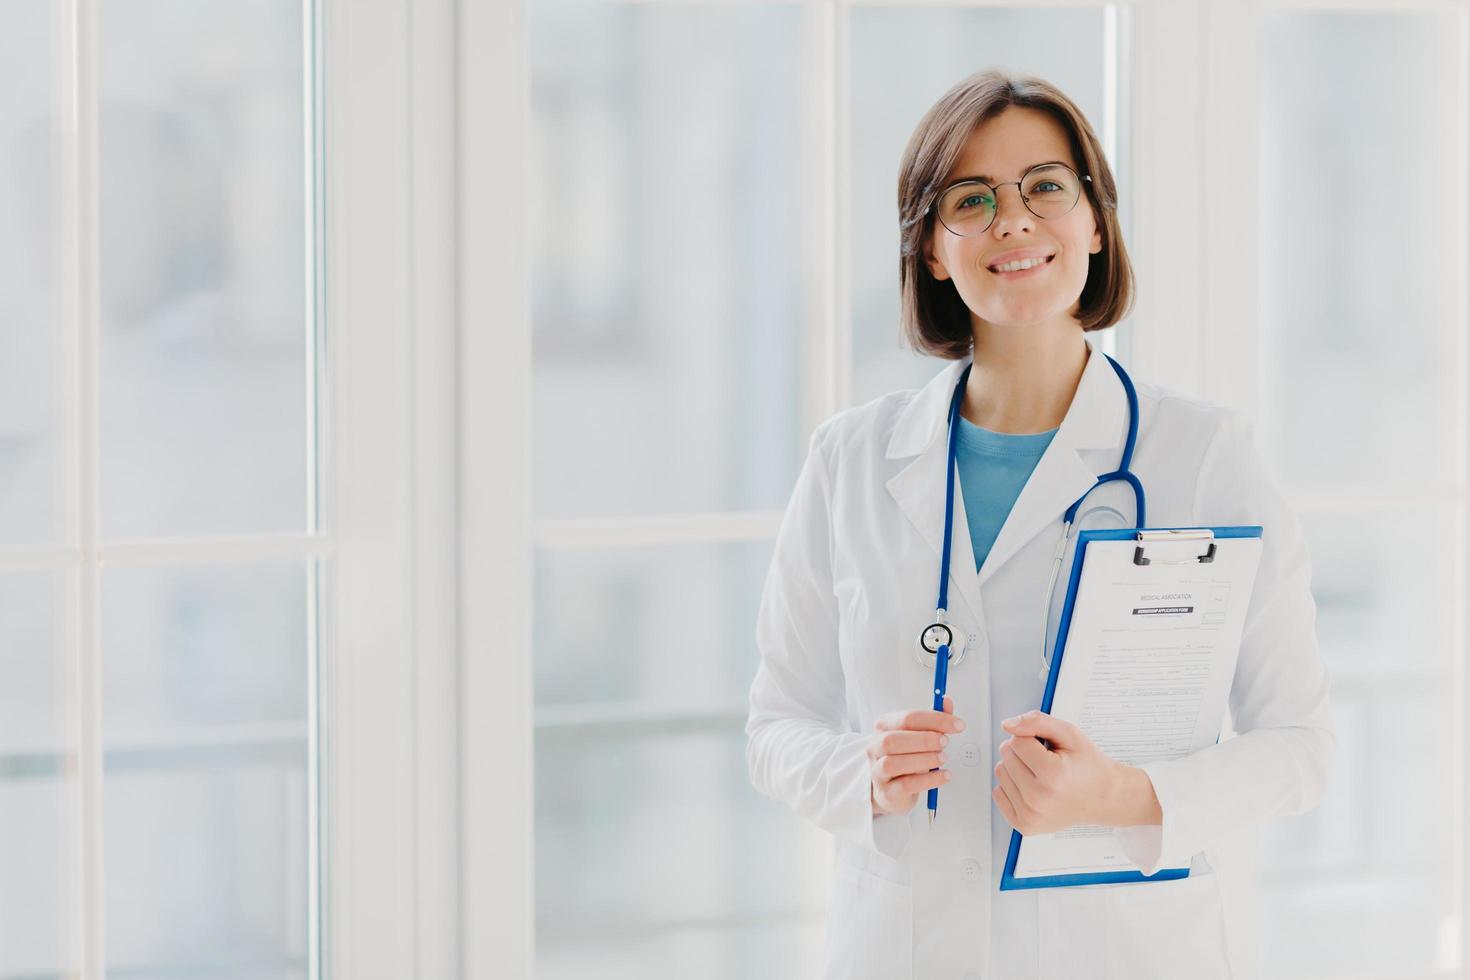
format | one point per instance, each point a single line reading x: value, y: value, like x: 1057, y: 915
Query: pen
x: 941, y: 677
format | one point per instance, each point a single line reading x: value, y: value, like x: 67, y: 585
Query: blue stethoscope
x: 939, y: 640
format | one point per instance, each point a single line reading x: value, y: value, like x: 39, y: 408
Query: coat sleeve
x: 800, y: 749
x: 1278, y: 762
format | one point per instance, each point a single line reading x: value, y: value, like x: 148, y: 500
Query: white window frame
x: 390, y: 686
x: 384, y: 793
x: 496, y: 778
x: 429, y: 823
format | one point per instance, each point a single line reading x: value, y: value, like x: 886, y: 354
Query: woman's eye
x: 973, y: 200
x: 1042, y: 186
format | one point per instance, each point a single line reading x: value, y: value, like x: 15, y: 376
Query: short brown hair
x: 935, y: 319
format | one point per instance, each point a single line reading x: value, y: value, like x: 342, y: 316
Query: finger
x: 1039, y: 724
x: 1012, y: 760
x: 921, y: 782
x: 917, y: 720
x: 900, y: 765
x: 902, y: 741
x: 1042, y: 763
x: 931, y: 721
x: 1008, y: 801
x: 1006, y: 810
x: 1013, y: 793
x: 1024, y: 781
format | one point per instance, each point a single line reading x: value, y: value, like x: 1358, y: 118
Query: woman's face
x: 1000, y: 150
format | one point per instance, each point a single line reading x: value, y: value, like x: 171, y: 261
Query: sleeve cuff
x: 852, y: 818
x: 887, y: 833
x: 890, y: 832
x: 1144, y: 844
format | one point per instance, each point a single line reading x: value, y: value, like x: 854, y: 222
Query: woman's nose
x: 1010, y: 209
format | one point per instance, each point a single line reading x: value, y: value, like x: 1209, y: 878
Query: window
x: 161, y: 553
x: 1362, y: 335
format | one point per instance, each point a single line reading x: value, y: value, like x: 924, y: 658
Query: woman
x: 839, y: 724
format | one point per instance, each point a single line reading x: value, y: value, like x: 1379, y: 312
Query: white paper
x: 1146, y: 672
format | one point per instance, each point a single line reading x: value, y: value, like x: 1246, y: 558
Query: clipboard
x: 1203, y: 546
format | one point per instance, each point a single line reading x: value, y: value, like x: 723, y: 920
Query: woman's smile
x: 1035, y: 270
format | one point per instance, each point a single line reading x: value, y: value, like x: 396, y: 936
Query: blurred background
x: 709, y: 240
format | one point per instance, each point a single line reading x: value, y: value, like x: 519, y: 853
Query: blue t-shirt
x: 993, y: 467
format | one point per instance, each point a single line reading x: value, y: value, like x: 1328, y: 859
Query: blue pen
x: 941, y: 676
x: 939, y: 627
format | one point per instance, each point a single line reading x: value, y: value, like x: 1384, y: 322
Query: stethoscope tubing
x: 941, y: 611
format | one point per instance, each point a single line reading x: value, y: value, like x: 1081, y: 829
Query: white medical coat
x: 854, y: 578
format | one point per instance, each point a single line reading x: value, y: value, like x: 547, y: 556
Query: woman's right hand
x: 904, y: 747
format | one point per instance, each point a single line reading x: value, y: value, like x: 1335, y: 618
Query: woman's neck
x: 1024, y: 377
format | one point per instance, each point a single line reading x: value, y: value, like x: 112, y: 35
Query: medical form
x: 1143, y: 665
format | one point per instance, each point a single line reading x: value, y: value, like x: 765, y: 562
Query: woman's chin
x: 1023, y: 314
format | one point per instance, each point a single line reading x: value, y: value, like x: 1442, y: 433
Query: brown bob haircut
x: 935, y: 319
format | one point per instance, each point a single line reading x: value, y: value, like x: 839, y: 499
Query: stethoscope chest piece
x: 933, y: 636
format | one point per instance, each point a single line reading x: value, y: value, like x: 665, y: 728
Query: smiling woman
x: 1011, y: 255
x: 1052, y: 195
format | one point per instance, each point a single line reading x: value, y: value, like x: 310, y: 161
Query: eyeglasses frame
x: 996, y: 188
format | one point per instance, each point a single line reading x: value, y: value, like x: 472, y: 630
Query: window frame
x: 390, y: 699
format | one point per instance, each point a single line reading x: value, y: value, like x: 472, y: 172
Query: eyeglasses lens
x: 1049, y: 192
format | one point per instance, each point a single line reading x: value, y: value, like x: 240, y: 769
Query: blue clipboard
x: 1008, y: 880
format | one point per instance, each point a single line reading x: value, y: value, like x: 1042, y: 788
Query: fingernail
x: 944, y: 740
x: 1010, y: 721
x: 941, y: 758
x: 959, y: 726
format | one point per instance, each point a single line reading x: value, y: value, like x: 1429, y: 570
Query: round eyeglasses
x: 1048, y: 190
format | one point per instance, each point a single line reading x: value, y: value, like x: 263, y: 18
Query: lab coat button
x: 970, y: 868
x: 970, y: 754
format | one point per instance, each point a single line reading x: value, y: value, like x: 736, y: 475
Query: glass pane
x: 622, y: 791
x: 671, y: 285
x: 1364, y: 885
x: 903, y: 59
x: 643, y: 869
x: 670, y: 625
x: 203, y: 259
x: 1385, y: 603
x: 205, y: 739
x: 1387, y: 622
x: 36, y: 820
x: 1360, y: 292
x: 31, y: 423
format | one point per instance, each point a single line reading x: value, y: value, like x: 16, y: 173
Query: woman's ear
x: 936, y: 267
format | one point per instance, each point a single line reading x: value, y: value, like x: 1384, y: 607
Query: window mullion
x: 494, y: 601
x: 82, y: 670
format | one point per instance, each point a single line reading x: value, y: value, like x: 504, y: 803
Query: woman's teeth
x: 1017, y: 266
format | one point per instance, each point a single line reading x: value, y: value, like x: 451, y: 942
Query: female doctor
x: 1005, y: 170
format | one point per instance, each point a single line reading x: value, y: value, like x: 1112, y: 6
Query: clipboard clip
x: 1173, y: 534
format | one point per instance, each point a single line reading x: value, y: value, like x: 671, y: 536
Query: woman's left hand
x: 1045, y: 790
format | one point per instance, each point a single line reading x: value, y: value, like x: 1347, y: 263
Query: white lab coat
x: 854, y: 578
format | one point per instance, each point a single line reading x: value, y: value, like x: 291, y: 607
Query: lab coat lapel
x: 1085, y: 446
x: 919, y: 487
